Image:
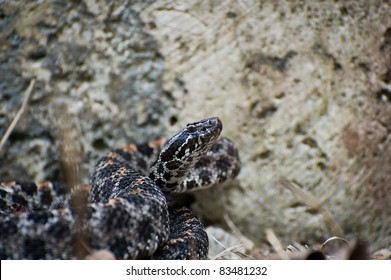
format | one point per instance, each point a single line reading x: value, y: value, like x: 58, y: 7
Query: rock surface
x: 92, y: 61
x: 303, y: 88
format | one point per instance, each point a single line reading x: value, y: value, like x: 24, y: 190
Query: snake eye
x: 191, y: 129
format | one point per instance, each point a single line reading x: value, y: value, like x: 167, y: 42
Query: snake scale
x: 130, y: 211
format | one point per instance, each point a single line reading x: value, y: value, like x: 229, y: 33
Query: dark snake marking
x: 131, y: 213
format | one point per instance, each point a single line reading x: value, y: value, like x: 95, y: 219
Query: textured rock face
x: 304, y: 89
x: 95, y: 62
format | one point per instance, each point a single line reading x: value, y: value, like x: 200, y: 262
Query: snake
x: 131, y: 211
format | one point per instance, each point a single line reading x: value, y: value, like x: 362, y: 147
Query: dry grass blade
x: 71, y: 153
x: 324, y: 244
x: 18, y: 115
x: 275, y: 242
x: 314, y: 203
x: 232, y: 249
x: 71, y: 159
x: 247, y: 243
x: 380, y: 244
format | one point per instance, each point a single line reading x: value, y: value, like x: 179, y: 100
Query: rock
x: 302, y: 88
x: 94, y: 62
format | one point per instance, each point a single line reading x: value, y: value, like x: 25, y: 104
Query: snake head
x: 204, y: 128
x: 199, y: 135
x: 183, y: 151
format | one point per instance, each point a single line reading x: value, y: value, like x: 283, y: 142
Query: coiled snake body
x: 130, y: 213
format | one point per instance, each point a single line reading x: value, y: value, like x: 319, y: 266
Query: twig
x: 27, y: 94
